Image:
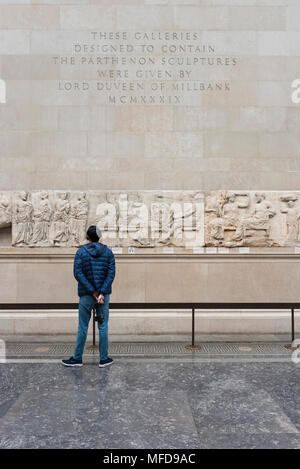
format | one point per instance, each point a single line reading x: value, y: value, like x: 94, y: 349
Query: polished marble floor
x: 152, y: 402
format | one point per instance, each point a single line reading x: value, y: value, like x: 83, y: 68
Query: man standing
x: 94, y: 269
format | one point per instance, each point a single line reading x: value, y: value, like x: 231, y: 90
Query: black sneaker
x: 71, y: 362
x: 106, y: 362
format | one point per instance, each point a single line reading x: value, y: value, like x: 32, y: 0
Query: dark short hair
x: 92, y: 234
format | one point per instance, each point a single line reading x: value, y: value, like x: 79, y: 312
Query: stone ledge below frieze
x: 153, y: 253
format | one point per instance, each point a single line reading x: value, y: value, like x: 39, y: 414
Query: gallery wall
x: 232, y: 126
x: 138, y: 95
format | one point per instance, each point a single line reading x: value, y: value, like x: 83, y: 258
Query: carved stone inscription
x: 145, y: 68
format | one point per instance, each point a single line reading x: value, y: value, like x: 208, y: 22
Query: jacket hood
x: 95, y: 249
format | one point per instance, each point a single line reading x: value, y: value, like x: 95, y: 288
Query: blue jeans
x: 86, y: 304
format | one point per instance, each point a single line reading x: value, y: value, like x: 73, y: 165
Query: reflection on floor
x: 227, y: 400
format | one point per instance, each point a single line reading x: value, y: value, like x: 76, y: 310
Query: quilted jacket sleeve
x: 79, y: 275
x: 111, y: 272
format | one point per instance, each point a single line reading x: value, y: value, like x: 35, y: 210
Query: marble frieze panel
x: 149, y: 219
x: 252, y: 218
x: 5, y: 209
x: 133, y: 218
x: 49, y: 218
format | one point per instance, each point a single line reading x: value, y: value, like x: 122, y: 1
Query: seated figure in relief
x: 259, y: 218
x: 228, y: 214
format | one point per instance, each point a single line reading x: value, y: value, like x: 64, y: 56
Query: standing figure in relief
x: 292, y: 217
x: 42, y: 217
x: 61, y: 219
x: 162, y: 223
x: 138, y: 228
x: 22, y: 218
x: 258, y: 219
x: 228, y: 214
x: 5, y: 211
x: 79, y: 215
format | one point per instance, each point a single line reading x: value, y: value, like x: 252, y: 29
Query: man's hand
x: 96, y: 295
x: 100, y: 299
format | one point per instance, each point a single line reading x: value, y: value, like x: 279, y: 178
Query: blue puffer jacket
x: 94, y: 269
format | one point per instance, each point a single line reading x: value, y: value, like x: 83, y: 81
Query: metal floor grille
x: 26, y: 349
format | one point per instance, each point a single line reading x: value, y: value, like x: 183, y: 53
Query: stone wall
x: 199, y: 98
x: 54, y: 135
x: 46, y: 276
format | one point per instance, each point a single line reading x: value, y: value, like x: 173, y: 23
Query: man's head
x: 93, y: 234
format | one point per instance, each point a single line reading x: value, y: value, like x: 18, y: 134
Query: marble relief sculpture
x: 149, y: 218
x: 49, y: 218
x: 257, y: 225
x: 78, y: 219
x: 261, y: 219
x: 5, y: 210
x: 227, y: 209
x: 60, y: 225
x: 41, y: 220
x: 153, y: 219
x: 290, y: 207
x: 22, y: 218
x: 240, y: 219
